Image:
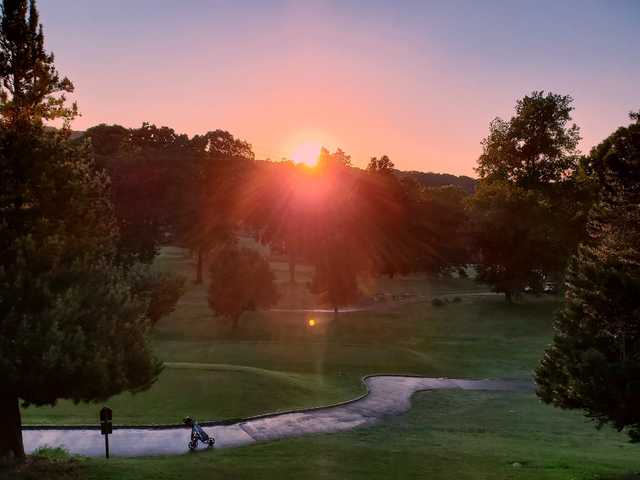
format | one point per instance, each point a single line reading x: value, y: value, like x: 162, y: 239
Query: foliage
x: 381, y: 165
x: 431, y: 180
x: 146, y: 168
x: 162, y: 289
x: 183, y: 189
x: 510, y: 228
x: 53, y: 454
x: 437, y: 222
x: 529, y: 210
x: 535, y: 147
x: 71, y: 324
x: 240, y: 280
x: 211, y: 192
x: 31, y: 89
x: 594, y: 362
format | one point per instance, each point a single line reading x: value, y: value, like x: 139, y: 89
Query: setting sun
x: 306, y: 153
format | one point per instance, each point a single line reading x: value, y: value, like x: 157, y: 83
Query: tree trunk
x: 335, y: 312
x: 199, y: 266
x: 292, y: 269
x: 508, y: 296
x: 235, y: 322
x: 11, y: 446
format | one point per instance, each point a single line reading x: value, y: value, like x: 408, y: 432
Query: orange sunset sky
x: 418, y: 81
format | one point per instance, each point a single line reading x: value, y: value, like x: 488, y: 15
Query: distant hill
x: 429, y: 179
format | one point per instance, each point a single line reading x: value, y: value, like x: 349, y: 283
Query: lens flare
x: 306, y: 153
x: 311, y: 322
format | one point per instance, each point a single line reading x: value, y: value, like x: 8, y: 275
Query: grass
x: 290, y: 365
x: 461, y: 435
x: 286, y: 364
x: 275, y: 361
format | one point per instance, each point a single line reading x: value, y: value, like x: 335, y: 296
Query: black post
x: 106, y: 427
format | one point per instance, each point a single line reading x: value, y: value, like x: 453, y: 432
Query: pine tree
x: 31, y: 89
x: 73, y: 320
x: 594, y: 361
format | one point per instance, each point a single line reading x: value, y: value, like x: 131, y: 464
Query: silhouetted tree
x: 214, y: 187
x: 510, y: 228
x: 240, y: 280
x: 380, y: 165
x: 31, y: 90
x: 594, y: 361
x: 148, y: 168
x: 536, y: 147
x: 528, y: 212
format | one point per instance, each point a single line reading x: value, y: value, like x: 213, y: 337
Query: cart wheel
x: 192, y: 446
x: 211, y: 442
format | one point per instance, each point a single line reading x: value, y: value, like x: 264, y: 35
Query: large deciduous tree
x: 594, y: 361
x: 73, y: 320
x: 536, y: 147
x: 214, y: 186
x: 240, y: 280
x: 529, y: 209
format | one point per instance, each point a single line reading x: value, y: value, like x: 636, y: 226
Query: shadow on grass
x: 46, y: 463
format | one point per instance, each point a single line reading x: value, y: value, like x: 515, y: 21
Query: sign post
x: 106, y: 427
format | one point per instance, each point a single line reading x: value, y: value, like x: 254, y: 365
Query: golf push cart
x: 198, y: 435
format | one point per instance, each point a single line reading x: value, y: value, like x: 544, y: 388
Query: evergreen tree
x: 594, y: 361
x: 31, y: 89
x: 73, y: 320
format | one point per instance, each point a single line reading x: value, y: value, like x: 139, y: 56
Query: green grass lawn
x: 290, y: 365
x: 275, y: 361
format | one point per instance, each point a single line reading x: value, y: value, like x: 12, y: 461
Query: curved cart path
x: 387, y: 395
x: 385, y: 305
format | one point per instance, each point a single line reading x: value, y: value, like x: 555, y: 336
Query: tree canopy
x: 537, y: 146
x: 594, y: 361
x: 240, y: 280
x: 529, y: 209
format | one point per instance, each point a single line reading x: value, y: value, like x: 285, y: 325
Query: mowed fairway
x: 275, y: 361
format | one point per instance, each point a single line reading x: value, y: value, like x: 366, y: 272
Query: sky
x: 418, y: 81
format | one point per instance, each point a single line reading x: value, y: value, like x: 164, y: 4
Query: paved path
x: 383, y: 305
x: 388, y: 395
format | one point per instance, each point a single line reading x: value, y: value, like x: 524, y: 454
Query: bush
x: 437, y: 302
x: 52, y: 454
x: 457, y: 299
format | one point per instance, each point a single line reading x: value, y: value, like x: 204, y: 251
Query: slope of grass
x: 205, y: 392
x: 479, y: 337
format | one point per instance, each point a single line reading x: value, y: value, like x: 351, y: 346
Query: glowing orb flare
x: 311, y: 322
x: 306, y: 153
